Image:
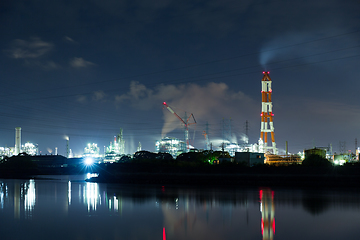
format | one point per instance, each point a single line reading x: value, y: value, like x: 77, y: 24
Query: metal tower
x: 206, y: 135
x: 267, y: 125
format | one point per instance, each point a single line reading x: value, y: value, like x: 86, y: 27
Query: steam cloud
x: 211, y: 102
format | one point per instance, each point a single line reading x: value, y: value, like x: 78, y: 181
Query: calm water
x: 70, y: 208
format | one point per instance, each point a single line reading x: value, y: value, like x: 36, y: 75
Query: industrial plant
x: 170, y: 145
x: 263, y: 151
x: 116, y: 149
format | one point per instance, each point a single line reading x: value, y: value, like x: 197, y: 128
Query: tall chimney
x: 17, y: 140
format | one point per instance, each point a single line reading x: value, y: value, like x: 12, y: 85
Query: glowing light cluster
x: 92, y: 150
x: 169, y: 145
x: 30, y: 148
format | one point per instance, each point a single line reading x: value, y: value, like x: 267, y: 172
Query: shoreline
x: 241, y: 180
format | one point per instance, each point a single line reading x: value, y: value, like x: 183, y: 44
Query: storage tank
x: 315, y: 151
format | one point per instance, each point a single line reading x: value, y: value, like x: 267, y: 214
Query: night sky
x: 85, y: 69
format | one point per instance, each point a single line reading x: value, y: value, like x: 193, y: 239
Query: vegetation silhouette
x: 18, y: 165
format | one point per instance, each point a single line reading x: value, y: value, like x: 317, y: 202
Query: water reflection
x: 91, y: 196
x: 29, y: 197
x: 315, y: 204
x: 20, y: 195
x: 108, y: 211
x: 267, y: 208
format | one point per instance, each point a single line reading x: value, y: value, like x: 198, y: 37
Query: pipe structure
x: 267, y: 124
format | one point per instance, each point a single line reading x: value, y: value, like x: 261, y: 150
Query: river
x: 68, y: 207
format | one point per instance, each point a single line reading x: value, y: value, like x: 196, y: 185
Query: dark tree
x: 145, y: 155
x: 164, y: 156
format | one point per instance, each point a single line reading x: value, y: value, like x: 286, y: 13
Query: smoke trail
x: 306, y: 47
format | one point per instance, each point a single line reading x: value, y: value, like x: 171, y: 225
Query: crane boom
x: 172, y: 111
x: 186, y: 124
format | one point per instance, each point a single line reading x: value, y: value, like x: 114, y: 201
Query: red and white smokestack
x: 267, y: 124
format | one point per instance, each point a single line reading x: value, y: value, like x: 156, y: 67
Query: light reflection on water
x: 108, y: 211
x: 30, y: 196
x: 91, y: 196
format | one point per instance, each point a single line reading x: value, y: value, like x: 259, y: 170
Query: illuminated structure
x: 17, y: 140
x: 115, y: 150
x: 186, y: 124
x: 169, y: 145
x: 5, y: 151
x: 120, y: 143
x: 282, y: 160
x: 30, y: 149
x: 267, y: 125
x: 232, y: 148
x: 92, y: 150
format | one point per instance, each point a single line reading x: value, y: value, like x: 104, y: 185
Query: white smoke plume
x: 210, y: 102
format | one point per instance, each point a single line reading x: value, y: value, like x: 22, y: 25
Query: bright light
x: 91, y: 175
x: 89, y: 161
x: 339, y: 162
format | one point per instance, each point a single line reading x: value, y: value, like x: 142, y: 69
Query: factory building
x: 6, y: 152
x: 30, y: 149
x: 341, y: 159
x: 250, y: 158
x: 170, y: 145
x: 116, y: 149
x: 92, y: 150
x: 282, y: 160
x: 232, y: 148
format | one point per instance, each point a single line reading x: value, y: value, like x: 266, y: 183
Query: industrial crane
x: 186, y: 124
